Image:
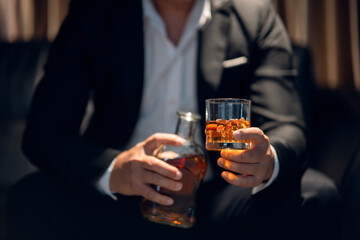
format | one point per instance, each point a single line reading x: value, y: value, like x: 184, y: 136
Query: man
x: 140, y: 62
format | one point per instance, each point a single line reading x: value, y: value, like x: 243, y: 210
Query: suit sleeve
x: 52, y: 139
x: 275, y: 103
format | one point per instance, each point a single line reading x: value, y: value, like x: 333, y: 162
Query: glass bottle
x: 190, y: 158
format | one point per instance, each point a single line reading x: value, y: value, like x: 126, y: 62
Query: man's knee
x: 319, y: 191
x: 321, y: 207
x: 31, y: 207
x: 31, y: 193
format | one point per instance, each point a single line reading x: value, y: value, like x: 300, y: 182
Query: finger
x: 158, y: 180
x: 245, y: 181
x: 158, y: 139
x: 243, y: 168
x: 254, y: 135
x: 149, y: 193
x: 159, y: 166
x: 242, y: 156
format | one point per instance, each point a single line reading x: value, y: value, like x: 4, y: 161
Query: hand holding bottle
x: 137, y: 169
x: 190, y: 159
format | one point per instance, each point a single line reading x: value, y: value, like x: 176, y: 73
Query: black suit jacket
x: 99, y: 53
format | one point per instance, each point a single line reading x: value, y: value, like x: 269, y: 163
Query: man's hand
x: 255, y: 165
x: 136, y: 170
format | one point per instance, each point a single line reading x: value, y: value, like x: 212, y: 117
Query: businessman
x: 139, y: 62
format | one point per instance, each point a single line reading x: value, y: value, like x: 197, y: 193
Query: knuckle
x: 258, y: 131
x: 146, y: 193
x: 150, y: 165
x: 147, y: 141
x: 247, y: 154
x: 266, y: 138
x: 236, y: 168
x: 139, y: 145
x: 134, y: 186
x: 268, y: 156
x: 155, y: 179
x: 133, y: 168
x: 247, y: 183
x: 257, y: 181
x: 246, y: 170
x: 133, y: 172
x: 145, y: 176
x: 257, y: 168
x: 156, y: 136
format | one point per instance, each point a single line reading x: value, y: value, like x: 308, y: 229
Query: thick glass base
x: 155, y: 213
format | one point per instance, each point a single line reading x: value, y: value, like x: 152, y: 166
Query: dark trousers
x: 41, y: 207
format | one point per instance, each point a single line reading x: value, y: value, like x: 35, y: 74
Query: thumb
x: 254, y: 135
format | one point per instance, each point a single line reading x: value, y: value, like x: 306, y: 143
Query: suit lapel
x: 129, y: 52
x: 213, y: 42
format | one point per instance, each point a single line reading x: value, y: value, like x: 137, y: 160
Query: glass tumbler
x: 223, y: 117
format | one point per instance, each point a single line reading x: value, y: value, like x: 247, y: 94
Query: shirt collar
x: 199, y: 16
x: 205, y: 16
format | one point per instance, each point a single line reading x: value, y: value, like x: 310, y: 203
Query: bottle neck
x: 186, y: 126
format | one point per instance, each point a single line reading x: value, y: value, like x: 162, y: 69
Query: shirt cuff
x: 273, y: 176
x: 103, y: 184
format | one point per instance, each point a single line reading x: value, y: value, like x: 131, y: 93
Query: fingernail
x: 220, y: 161
x: 181, y: 141
x: 178, y: 186
x: 237, y: 134
x: 178, y: 175
x: 169, y: 201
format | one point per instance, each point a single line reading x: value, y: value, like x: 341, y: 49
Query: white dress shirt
x: 169, y: 79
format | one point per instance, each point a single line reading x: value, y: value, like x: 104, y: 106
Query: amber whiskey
x: 182, y: 212
x: 219, y: 134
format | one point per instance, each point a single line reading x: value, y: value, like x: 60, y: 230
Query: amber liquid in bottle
x: 182, y: 212
x: 190, y: 159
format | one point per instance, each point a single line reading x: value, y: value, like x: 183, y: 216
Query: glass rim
x: 228, y: 100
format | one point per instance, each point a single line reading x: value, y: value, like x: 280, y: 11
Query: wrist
x: 113, y: 174
x: 103, y: 184
x: 270, y: 169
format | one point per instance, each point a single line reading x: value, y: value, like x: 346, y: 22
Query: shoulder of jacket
x: 254, y: 5
x: 90, y: 13
x: 91, y: 6
x: 253, y: 13
x: 254, y: 9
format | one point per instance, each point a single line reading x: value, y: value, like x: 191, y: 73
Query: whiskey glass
x: 223, y: 117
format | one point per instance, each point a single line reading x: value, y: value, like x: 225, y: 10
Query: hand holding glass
x: 223, y: 117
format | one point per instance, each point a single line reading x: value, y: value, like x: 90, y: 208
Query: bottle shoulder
x: 188, y: 148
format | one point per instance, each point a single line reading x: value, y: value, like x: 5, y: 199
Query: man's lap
x: 41, y: 207
x: 41, y: 203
